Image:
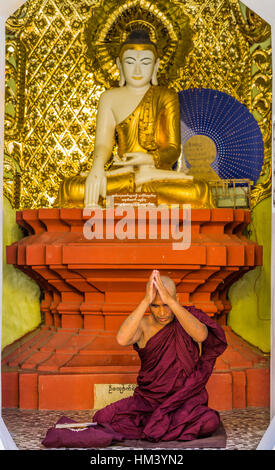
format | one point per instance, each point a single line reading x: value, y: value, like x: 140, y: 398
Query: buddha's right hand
x: 95, y: 186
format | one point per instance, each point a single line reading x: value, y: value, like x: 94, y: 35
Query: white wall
x: 266, y: 9
x: 7, y: 7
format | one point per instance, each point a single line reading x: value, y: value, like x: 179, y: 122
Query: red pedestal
x: 91, y: 285
x: 95, y: 283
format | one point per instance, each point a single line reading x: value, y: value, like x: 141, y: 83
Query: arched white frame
x: 264, y: 8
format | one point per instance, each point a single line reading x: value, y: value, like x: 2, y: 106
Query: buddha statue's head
x: 138, y: 60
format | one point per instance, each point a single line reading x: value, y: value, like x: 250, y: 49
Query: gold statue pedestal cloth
x: 195, y: 193
x: 152, y: 128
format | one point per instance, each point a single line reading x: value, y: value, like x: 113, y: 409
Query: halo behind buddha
x: 107, y: 29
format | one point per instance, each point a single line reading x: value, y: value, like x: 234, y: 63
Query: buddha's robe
x: 153, y: 127
x: 170, y: 401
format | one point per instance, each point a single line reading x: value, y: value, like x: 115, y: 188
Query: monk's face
x: 161, y: 312
x: 138, y: 67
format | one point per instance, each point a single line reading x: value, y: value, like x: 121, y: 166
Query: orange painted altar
x: 89, y: 286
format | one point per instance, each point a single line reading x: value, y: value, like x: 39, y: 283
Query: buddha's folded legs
x: 195, y: 193
x: 72, y: 190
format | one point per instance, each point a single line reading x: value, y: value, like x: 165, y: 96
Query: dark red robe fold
x: 170, y: 401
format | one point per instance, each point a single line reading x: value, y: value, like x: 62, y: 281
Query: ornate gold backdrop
x: 55, y: 75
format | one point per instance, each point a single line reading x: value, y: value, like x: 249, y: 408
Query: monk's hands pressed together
x: 161, y: 289
x: 192, y: 325
x: 150, y: 289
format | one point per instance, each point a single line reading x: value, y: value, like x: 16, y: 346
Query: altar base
x: 89, y: 288
x: 57, y: 369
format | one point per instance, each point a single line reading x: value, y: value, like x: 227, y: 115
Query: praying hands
x: 162, y: 300
x: 163, y: 292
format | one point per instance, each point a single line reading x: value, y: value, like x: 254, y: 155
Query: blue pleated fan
x: 234, y: 130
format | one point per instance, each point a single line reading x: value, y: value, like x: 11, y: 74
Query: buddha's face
x: 138, y: 67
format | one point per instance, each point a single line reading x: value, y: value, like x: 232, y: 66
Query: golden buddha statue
x: 145, y: 119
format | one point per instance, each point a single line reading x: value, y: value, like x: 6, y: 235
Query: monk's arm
x: 194, y: 327
x: 131, y: 329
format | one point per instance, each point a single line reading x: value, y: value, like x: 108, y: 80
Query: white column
x: 265, y: 9
x: 6, y: 9
x: 272, y: 363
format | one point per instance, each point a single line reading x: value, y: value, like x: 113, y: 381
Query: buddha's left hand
x: 138, y: 159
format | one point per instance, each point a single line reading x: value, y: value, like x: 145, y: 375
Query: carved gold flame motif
x: 60, y: 57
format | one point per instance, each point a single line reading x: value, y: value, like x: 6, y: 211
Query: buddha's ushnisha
x: 145, y: 119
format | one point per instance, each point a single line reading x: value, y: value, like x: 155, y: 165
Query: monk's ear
x: 122, y: 77
x: 154, y: 79
x: 178, y: 297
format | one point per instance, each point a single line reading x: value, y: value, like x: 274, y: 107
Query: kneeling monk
x: 178, y: 347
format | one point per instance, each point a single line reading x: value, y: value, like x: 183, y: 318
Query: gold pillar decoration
x: 58, y: 65
x: 258, y: 34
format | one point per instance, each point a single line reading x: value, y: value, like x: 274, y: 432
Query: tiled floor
x: 244, y: 428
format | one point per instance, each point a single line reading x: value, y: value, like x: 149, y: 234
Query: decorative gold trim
x: 253, y: 27
x: 15, y: 95
x: 24, y: 15
x: 256, y: 31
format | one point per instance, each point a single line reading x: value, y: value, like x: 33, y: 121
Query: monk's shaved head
x: 164, y: 287
x: 169, y: 284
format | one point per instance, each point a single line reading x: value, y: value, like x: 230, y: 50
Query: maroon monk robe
x: 170, y: 401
